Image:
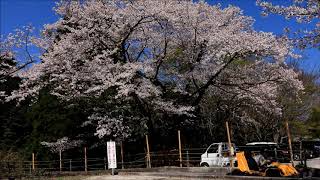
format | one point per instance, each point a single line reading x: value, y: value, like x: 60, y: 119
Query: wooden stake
x: 33, y: 166
x: 121, y: 146
x: 85, y: 160
x: 289, y: 141
x: 148, y: 153
x: 60, y: 161
x: 229, y: 142
x: 180, y: 155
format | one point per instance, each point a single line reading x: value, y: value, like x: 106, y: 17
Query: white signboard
x: 112, y: 157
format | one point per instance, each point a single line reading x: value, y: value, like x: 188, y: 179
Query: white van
x: 218, y: 154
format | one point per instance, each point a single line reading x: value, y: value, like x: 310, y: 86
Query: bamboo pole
x: 33, y: 159
x: 289, y: 141
x: 148, y: 153
x: 60, y: 161
x: 122, y: 165
x: 229, y: 142
x: 180, y: 155
x: 85, y: 160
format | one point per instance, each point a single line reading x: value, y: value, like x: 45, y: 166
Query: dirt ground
x: 109, y: 177
x: 131, y: 177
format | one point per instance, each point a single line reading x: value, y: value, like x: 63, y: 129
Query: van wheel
x: 204, y: 164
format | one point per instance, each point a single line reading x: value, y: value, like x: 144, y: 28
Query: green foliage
x: 173, y: 62
x: 314, y: 123
x: 241, y: 62
x: 310, y: 128
x: 50, y: 120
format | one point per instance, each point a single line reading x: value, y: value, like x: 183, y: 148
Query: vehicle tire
x: 204, y: 164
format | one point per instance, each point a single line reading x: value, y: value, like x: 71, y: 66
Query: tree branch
x: 201, y: 91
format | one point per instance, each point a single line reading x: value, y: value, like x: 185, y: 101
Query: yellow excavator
x: 248, y: 166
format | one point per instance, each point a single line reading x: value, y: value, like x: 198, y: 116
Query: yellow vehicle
x: 274, y: 169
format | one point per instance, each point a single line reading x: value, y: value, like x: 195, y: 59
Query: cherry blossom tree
x: 61, y: 145
x: 148, y: 50
x: 9, y: 65
x: 21, y: 38
x: 304, y: 11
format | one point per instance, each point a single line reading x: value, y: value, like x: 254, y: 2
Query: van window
x: 213, y: 148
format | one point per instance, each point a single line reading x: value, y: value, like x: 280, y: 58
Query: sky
x: 17, y: 13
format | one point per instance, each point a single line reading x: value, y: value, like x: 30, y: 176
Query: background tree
x: 14, y: 128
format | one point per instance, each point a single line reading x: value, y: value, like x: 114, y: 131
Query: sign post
x: 112, y: 157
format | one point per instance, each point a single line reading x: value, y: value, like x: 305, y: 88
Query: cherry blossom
x: 147, y: 49
x: 304, y: 11
x: 61, y: 145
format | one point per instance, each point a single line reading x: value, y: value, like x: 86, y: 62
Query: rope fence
x: 180, y: 157
x: 191, y: 157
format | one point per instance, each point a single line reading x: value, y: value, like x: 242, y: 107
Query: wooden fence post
x: 289, y: 141
x: 180, y: 155
x: 60, y: 160
x: 33, y: 165
x: 148, y: 153
x: 85, y: 160
x: 229, y: 142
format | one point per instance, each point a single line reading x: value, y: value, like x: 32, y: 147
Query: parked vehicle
x: 249, y: 167
x: 218, y: 154
x: 309, y: 149
x: 270, y: 150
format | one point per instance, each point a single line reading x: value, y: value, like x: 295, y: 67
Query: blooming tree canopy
x: 9, y: 66
x: 304, y: 11
x: 148, y: 49
x: 61, y: 145
x: 21, y: 38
